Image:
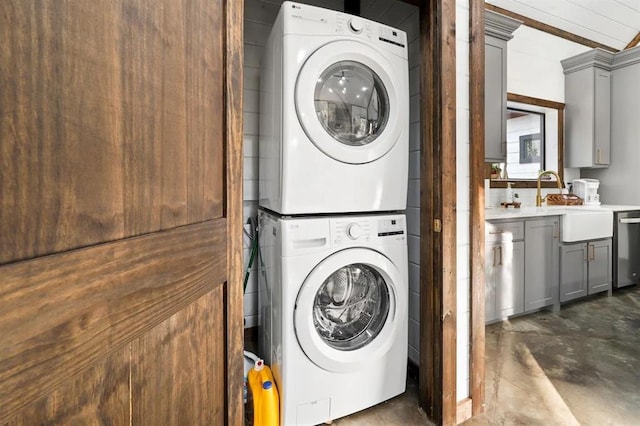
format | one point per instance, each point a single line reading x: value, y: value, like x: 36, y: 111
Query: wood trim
x: 502, y: 183
x: 437, y: 377
x: 234, y: 60
x: 532, y: 23
x: 61, y: 314
x: 524, y: 99
x: 633, y: 43
x: 561, y: 142
x: 545, y: 103
x: 477, y: 197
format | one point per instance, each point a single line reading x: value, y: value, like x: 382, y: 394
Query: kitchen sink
x: 582, y: 225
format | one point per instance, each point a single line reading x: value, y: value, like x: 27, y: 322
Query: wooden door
x: 120, y: 211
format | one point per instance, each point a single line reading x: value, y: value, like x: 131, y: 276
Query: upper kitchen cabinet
x: 588, y: 109
x: 498, y: 31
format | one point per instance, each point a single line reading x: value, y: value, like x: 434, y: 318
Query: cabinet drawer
x: 504, y: 231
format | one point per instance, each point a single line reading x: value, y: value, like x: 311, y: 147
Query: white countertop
x: 495, y: 213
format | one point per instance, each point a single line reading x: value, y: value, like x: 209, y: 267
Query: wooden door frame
x: 234, y: 62
x: 437, y: 377
x: 477, y: 196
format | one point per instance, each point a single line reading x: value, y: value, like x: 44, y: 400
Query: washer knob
x: 356, y: 25
x: 354, y: 231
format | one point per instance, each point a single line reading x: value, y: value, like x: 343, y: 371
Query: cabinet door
x: 510, y: 282
x: 573, y: 271
x: 600, y: 277
x: 602, y: 118
x: 588, y: 120
x: 495, y: 100
x: 541, y: 263
x: 490, y: 278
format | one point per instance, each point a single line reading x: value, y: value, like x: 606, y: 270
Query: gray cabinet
x: 585, y: 268
x: 498, y: 30
x: 588, y: 109
x: 541, y: 263
x: 504, y: 270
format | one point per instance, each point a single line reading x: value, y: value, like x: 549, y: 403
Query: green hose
x: 254, y: 249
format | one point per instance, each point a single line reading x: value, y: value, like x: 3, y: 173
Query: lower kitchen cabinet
x: 585, y: 268
x: 521, y: 266
x: 504, y: 270
x: 541, y: 247
x: 504, y: 278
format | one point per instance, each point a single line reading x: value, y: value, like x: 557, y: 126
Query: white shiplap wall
x: 533, y: 63
x: 462, y: 199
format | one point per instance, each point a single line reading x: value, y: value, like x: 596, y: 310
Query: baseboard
x: 464, y: 411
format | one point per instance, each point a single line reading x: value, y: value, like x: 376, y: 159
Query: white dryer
x: 333, y: 312
x: 334, y: 114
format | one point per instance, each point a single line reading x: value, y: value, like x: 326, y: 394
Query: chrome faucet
x: 539, y: 198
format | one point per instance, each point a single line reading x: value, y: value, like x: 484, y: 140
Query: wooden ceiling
x: 611, y: 23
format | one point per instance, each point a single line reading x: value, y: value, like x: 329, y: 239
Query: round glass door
x: 351, y: 103
x: 349, y: 309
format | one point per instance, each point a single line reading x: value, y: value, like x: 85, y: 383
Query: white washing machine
x: 333, y: 312
x: 334, y: 114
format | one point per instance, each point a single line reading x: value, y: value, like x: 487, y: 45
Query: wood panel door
x: 120, y: 212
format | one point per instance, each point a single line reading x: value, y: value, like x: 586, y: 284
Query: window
x: 525, y: 143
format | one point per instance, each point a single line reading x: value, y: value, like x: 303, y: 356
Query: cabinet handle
x: 494, y: 257
x: 598, y: 156
x: 586, y: 255
x: 592, y: 252
x: 556, y: 230
x: 501, y: 231
x: 500, y: 248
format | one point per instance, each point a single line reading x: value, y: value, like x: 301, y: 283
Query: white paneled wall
x: 462, y: 195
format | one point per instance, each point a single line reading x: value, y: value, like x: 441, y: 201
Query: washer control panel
x: 356, y: 230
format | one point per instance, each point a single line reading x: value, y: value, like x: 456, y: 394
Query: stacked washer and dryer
x: 333, y: 269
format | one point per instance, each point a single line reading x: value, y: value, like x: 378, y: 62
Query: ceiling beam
x: 550, y: 29
x: 633, y: 43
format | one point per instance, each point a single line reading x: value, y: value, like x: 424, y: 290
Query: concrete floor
x: 578, y: 367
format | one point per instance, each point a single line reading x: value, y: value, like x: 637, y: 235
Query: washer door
x: 347, y: 102
x: 346, y: 311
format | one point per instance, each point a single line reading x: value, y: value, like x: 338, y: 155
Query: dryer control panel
x: 303, y: 19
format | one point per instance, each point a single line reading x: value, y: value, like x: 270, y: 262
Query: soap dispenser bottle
x: 509, y: 193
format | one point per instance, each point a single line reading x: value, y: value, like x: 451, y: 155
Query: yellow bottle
x: 266, y: 408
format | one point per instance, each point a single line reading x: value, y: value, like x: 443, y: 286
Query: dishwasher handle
x: 630, y: 220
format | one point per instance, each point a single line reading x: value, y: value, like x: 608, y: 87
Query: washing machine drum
x: 351, y: 307
x: 346, y: 309
x: 347, y: 102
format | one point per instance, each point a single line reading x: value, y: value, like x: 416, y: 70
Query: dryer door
x: 348, y: 102
x: 349, y: 308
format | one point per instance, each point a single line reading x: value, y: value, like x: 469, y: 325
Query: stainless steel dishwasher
x: 626, y: 249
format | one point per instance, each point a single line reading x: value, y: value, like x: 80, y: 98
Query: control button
x: 356, y: 25
x: 354, y: 231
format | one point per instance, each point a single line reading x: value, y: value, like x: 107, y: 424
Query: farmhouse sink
x: 582, y: 225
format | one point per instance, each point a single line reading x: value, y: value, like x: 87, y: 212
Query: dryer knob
x: 356, y: 25
x: 354, y: 231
